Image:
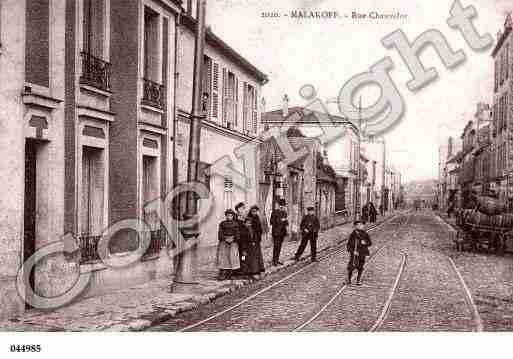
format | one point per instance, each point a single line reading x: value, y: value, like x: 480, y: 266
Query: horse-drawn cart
x: 476, y: 233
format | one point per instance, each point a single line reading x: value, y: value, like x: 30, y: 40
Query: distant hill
x: 420, y: 189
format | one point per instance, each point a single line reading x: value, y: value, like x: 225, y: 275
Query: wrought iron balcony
x: 153, y: 94
x: 95, y: 72
x: 89, y: 248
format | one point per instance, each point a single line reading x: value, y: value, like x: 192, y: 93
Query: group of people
x: 239, y: 251
x: 369, y: 212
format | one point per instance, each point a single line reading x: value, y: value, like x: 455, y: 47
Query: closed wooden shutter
x: 245, y: 107
x: 225, y: 97
x: 236, y: 100
x: 207, y: 84
x: 215, y: 91
x: 255, y: 112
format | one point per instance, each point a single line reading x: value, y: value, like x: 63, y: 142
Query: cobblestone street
x: 414, y: 281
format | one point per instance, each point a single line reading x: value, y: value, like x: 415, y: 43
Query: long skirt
x: 253, y: 260
x: 227, y: 255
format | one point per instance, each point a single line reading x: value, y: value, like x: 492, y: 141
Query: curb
x: 157, y: 318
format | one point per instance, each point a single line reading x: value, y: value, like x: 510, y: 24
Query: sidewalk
x: 139, y: 307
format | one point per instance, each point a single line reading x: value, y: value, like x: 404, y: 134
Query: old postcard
x: 254, y: 166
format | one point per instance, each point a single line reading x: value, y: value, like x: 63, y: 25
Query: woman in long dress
x: 250, y: 246
x: 228, y: 247
x: 257, y: 225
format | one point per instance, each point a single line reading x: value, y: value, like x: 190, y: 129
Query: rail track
x: 342, y: 289
x: 326, y: 256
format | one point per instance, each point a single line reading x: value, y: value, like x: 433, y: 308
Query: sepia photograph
x: 335, y: 174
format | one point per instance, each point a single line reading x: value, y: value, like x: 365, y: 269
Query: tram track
x: 328, y: 255
x: 343, y: 288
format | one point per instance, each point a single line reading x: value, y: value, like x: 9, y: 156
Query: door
x: 29, y: 230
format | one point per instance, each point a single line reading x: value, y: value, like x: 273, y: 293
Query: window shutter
x: 255, y: 111
x: 215, y: 91
x: 236, y: 99
x: 244, y: 107
x: 207, y: 84
x: 225, y: 97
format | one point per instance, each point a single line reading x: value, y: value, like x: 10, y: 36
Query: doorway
x: 29, y: 230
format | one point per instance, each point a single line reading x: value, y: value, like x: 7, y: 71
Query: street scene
x: 168, y: 171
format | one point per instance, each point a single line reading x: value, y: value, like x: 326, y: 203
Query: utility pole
x: 186, y: 262
x: 358, y: 177
x: 383, y: 177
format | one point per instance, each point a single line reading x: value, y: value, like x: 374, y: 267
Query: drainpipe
x: 175, y: 89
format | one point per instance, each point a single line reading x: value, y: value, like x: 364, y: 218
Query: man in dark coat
x: 372, y: 212
x: 358, y: 248
x: 309, y: 228
x: 279, y: 223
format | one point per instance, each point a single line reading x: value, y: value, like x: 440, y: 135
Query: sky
x: 327, y: 53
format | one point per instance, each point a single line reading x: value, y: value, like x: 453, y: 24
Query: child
x: 228, y: 248
x: 358, y: 248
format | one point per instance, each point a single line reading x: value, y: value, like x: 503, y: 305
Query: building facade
x: 96, y: 101
x: 232, y: 91
x: 502, y: 117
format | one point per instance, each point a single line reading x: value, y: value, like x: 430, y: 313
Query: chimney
x: 285, y: 109
x: 499, y: 35
x: 325, y: 158
x: 508, y: 24
x: 189, y: 7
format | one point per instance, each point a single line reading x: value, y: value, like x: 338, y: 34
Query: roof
x: 308, y: 116
x: 457, y: 157
x: 500, y: 42
x: 324, y: 176
x: 189, y: 22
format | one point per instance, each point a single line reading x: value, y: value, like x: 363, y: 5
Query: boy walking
x: 358, y: 248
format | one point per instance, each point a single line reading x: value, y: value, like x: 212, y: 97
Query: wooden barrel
x: 490, y: 206
x: 480, y: 219
x: 503, y: 220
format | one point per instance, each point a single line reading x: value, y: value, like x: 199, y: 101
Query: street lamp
x: 273, y: 172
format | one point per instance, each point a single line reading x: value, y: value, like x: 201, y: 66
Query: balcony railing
x: 153, y: 94
x: 95, y: 72
x: 89, y: 248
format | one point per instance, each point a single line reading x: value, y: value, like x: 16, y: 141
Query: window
x: 207, y: 84
x: 496, y: 76
x: 151, y: 48
x: 230, y: 99
x: 150, y: 188
x: 93, y: 28
x: 228, y: 191
x: 93, y: 183
x: 249, y: 112
x: 37, y: 44
x: 506, y: 61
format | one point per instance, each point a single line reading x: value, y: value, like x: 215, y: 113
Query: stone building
x: 96, y: 96
x: 232, y: 86
x: 323, y: 183
x: 32, y: 91
x: 502, y: 118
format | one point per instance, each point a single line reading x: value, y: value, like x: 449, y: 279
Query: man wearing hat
x: 309, y: 228
x: 279, y: 223
x: 358, y: 248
